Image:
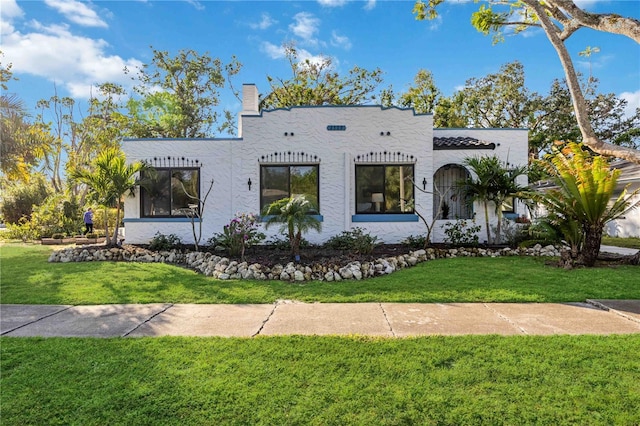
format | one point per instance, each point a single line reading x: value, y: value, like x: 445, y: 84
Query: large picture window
x: 277, y: 182
x: 384, y: 189
x: 164, y: 191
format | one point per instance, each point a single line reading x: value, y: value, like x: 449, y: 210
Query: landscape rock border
x: 223, y: 268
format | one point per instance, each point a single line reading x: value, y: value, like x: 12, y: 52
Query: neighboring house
x: 357, y: 162
x: 629, y: 224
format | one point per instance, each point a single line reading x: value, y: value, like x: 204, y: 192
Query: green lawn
x: 633, y: 243
x: 316, y: 380
x: 297, y: 380
x: 27, y: 278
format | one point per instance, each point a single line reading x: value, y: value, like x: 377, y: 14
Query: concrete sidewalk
x: 373, y: 319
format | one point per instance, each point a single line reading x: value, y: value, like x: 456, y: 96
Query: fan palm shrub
x: 492, y: 182
x: 110, y: 178
x: 295, y: 216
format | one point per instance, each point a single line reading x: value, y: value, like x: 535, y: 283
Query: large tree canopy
x: 317, y: 83
x: 559, y: 19
x: 180, y: 95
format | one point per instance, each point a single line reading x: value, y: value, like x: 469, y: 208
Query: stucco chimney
x: 250, y: 103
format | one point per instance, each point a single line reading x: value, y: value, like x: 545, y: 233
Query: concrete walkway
x: 618, y: 250
x: 373, y: 319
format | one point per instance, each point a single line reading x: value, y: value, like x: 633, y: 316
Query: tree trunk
x: 589, y: 136
x: 486, y: 222
x: 591, y: 247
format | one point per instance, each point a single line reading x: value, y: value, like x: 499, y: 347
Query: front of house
x: 358, y: 163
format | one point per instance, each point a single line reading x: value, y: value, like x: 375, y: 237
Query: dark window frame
x: 170, y: 189
x: 384, y: 174
x: 289, y: 166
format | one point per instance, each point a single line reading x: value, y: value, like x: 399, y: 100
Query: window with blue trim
x: 169, y: 192
x: 384, y: 189
x: 285, y: 181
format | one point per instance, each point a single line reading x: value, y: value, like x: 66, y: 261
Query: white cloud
x: 340, y: 41
x: 633, y: 102
x: 273, y: 51
x: 195, y: 3
x: 77, y: 12
x: 10, y: 10
x: 305, y: 26
x: 304, y: 56
x: 265, y: 22
x: 332, y: 3
x: 55, y: 53
x: 370, y: 5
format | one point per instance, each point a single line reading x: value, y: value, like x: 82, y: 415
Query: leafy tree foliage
x: 20, y: 146
x: 18, y: 198
x: 559, y: 19
x: 496, y: 100
x: 317, y: 83
x: 185, y: 105
x: 556, y: 119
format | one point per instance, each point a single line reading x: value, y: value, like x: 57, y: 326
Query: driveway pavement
x: 285, y: 317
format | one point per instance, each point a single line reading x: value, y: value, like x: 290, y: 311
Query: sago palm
x: 586, y: 185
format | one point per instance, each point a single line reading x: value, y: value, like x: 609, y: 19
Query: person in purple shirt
x: 88, y: 221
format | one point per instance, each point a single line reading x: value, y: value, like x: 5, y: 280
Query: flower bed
x: 224, y: 268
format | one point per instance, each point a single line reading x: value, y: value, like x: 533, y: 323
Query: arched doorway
x: 448, y: 199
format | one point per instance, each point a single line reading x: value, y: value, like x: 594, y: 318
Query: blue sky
x: 67, y: 45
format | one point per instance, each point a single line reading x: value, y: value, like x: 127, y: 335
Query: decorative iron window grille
x: 288, y: 157
x: 170, y: 161
x: 386, y: 157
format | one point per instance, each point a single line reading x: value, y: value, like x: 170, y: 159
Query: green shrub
x: 461, y: 233
x: 57, y: 236
x: 24, y: 230
x: 415, y: 241
x: 355, y: 240
x: 240, y: 234
x: 281, y: 242
x: 164, y: 242
x: 92, y: 235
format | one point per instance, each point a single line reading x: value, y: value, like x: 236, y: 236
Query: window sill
x: 383, y: 217
x: 159, y: 219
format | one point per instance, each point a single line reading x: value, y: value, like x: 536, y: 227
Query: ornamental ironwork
x: 170, y: 161
x: 289, y: 157
x: 386, y: 157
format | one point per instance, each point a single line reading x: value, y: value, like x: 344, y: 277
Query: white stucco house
x: 629, y: 224
x: 357, y: 162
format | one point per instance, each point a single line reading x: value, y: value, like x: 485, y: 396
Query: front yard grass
x: 27, y: 278
x: 633, y: 243
x: 295, y: 380
x: 316, y: 380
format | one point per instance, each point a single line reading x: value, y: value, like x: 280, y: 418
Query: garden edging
x: 223, y: 268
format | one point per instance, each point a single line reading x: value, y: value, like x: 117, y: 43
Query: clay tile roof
x: 460, y: 142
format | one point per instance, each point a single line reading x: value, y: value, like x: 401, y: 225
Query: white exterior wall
x: 232, y: 162
x: 511, y: 147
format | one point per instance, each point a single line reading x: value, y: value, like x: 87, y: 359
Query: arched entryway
x: 448, y: 199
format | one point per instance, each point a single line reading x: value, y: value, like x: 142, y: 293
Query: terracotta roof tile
x: 460, y: 142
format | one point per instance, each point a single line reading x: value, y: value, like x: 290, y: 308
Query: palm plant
x: 586, y: 186
x: 295, y: 216
x: 493, y: 183
x: 110, y: 179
